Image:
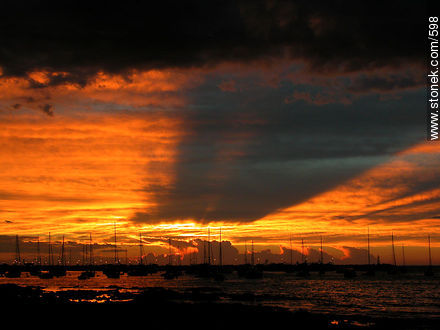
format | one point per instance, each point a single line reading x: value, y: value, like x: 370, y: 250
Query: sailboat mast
x: 50, y: 258
x: 429, y: 250
x: 252, y: 255
x: 116, y: 251
x: 245, y: 253
x: 90, y: 249
x: 322, y: 255
x: 62, y: 253
x: 84, y: 255
x: 116, y: 247
x: 204, y: 251
x: 209, y: 246
x: 368, y: 246
x: 302, y: 250
x: 169, y: 252
x: 291, y: 251
x: 403, y: 256
x: 220, y: 262
x: 140, y: 249
x: 17, y: 250
x: 394, y: 252
x: 38, y: 251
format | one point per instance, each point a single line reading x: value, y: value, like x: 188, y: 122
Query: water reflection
x: 410, y: 296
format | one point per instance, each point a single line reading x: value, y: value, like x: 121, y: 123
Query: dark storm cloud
x: 83, y: 37
x: 243, y: 160
x: 385, y: 84
x: 246, y: 153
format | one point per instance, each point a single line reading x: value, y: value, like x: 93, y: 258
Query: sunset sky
x: 270, y: 119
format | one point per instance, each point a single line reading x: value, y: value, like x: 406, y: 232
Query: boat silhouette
x: 172, y: 273
x: 394, y: 270
x: 303, y: 270
x: 58, y: 271
x: 112, y: 272
x: 370, y: 270
x: 13, y: 272
x: 349, y: 273
x: 85, y: 275
x: 138, y: 271
x: 321, y: 261
x: 250, y: 271
x: 429, y: 272
x: 35, y: 271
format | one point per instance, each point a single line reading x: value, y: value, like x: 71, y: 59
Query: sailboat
x: 140, y: 269
x: 429, y: 271
x: 35, y: 270
x: 403, y: 267
x: 88, y: 273
x: 321, y: 261
x: 250, y: 271
x: 303, y: 271
x: 60, y: 269
x: 245, y: 253
x: 370, y: 271
x: 289, y: 267
x: 171, y: 273
x: 349, y: 272
x: 394, y: 269
x: 220, y: 251
x: 48, y: 275
x: 14, y: 271
x: 218, y: 274
x: 113, y: 271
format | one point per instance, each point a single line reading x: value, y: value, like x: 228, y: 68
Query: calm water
x: 410, y: 296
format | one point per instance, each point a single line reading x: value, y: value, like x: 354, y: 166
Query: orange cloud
x: 395, y: 196
x: 82, y: 170
x: 154, y: 88
x: 72, y: 174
